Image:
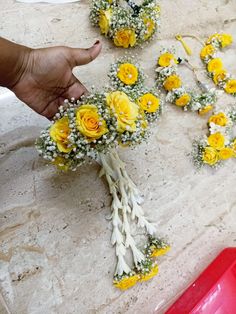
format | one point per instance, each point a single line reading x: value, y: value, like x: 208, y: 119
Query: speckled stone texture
x: 55, y: 255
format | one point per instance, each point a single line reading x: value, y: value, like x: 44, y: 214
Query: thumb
x: 84, y: 56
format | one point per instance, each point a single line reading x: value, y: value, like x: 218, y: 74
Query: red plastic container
x: 214, y: 291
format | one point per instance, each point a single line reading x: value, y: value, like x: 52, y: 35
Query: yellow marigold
x: 207, y: 51
x: 150, y: 27
x: 215, y: 65
x: 210, y: 156
x: 219, y: 119
x: 225, y: 39
x: 89, y: 123
x: 230, y: 87
x: 126, y: 282
x: 153, y: 272
x: 61, y: 163
x: 183, y: 100
x: 160, y: 251
x: 172, y: 82
x: 59, y: 132
x: 226, y: 153
x: 205, y: 110
x: 105, y: 20
x: 219, y: 76
x: 149, y: 103
x: 128, y: 73
x: 125, y: 111
x: 166, y: 59
x: 125, y: 37
x: 216, y: 140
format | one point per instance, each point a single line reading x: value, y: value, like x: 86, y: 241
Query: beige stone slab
x: 55, y: 255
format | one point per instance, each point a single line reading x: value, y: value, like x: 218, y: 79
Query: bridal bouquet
x: 92, y: 128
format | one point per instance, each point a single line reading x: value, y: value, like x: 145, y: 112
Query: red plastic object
x: 214, y: 291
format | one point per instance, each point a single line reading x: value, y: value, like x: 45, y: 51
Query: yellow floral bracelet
x: 127, y: 26
x: 214, y: 64
x: 220, y: 144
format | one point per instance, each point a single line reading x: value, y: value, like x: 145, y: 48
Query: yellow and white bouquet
x: 220, y: 144
x: 169, y: 79
x: 124, y: 22
x: 214, y: 64
x: 92, y: 128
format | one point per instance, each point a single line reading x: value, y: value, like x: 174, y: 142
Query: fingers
x: 84, y: 56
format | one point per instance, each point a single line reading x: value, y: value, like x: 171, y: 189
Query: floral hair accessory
x: 169, y: 79
x: 220, y: 144
x: 126, y: 25
x: 214, y: 64
x: 92, y: 128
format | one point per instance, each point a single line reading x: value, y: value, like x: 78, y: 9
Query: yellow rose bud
x: 219, y: 76
x: 150, y: 27
x: 149, y: 103
x: 166, y: 59
x: 126, y: 282
x: 210, y: 156
x: 61, y: 163
x: 89, y: 123
x: 128, y: 73
x: 160, y: 251
x: 207, y: 51
x: 226, y: 153
x: 205, y: 110
x: 183, y: 100
x: 225, y: 39
x: 219, y: 119
x: 216, y: 140
x: 59, y: 132
x: 153, y: 272
x: 230, y: 87
x: 125, y: 37
x: 215, y: 65
x: 124, y: 110
x: 172, y: 82
x: 104, y: 21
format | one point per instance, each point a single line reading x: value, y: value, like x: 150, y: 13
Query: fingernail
x: 96, y: 42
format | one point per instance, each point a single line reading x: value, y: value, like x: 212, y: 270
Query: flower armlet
x: 126, y: 25
x: 169, y: 79
x: 214, y: 64
x: 220, y: 143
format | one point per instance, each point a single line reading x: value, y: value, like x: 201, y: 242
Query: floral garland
x: 214, y: 64
x: 127, y: 25
x: 92, y: 128
x: 177, y: 94
x: 220, y: 144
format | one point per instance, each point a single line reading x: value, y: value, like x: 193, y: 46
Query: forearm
x: 13, y: 61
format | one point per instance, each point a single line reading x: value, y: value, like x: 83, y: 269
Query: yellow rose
x: 210, y: 156
x: 226, y: 153
x: 128, y: 73
x: 215, y: 65
x: 89, y: 123
x: 230, y: 87
x: 153, y: 272
x: 61, y: 163
x: 206, y: 51
x: 59, y: 132
x: 125, y: 37
x: 150, y: 27
x: 219, y: 75
x: 149, y: 103
x: 226, y: 40
x: 104, y: 21
x: 219, y: 119
x: 125, y: 111
x: 172, y: 82
x: 126, y: 282
x: 183, y: 100
x: 205, y: 110
x: 216, y: 140
x: 166, y: 59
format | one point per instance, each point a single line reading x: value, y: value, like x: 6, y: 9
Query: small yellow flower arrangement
x: 127, y: 26
x: 215, y: 65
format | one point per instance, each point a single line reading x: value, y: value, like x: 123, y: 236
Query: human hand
x: 46, y: 77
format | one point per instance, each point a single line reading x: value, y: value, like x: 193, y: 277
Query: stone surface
x: 55, y: 255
